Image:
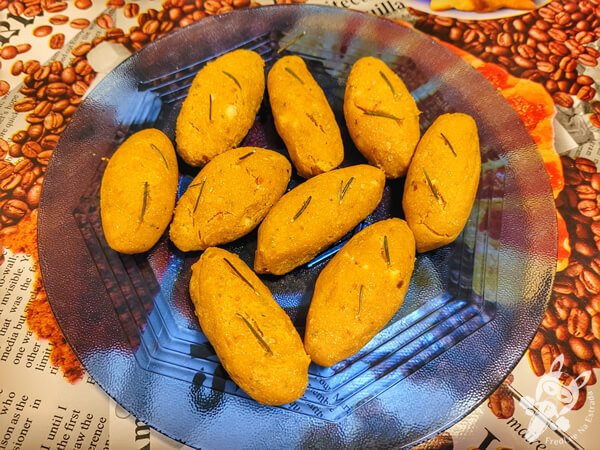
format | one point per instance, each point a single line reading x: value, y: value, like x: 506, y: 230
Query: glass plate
x: 471, y: 309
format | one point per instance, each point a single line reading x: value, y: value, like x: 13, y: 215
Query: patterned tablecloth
x: 544, y: 61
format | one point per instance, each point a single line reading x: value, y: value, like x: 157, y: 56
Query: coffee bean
x: 574, y: 269
x: 23, y: 48
x: 578, y: 322
x: 131, y: 10
x: 538, y: 341
x: 138, y: 36
x: 83, y: 68
x: 537, y: 34
x: 41, y: 74
x: 57, y: 89
x: 53, y: 120
x: 44, y: 157
x: 60, y: 105
x: 526, y: 52
x: 562, y: 333
x: 28, y: 180
x: 16, y: 8
x: 69, y: 111
x: 55, y: 6
x: 80, y: 23
x: 32, y: 11
x: 583, y: 248
x: 24, y: 105
x: 49, y: 141
x: 584, y: 37
x: 580, y: 290
x: 585, y: 192
x: 68, y: 75
x: 42, y: 31
x: 562, y: 312
x: 35, y: 131
x: 33, y: 196
x: 582, y: 367
x: 151, y: 26
x: 591, y: 281
x: 83, y: 4
x: 581, y: 348
x: 585, y: 165
x: 585, y: 93
x: 596, y: 326
x: 6, y: 169
x: 31, y: 66
x: 82, y: 49
x: 8, y: 52
x: 31, y: 149
x: 592, y: 52
x: 524, y: 62
x: 548, y: 353
x: 15, y: 209
x: 19, y: 137
x: 58, y: 19
x: 595, y: 182
x: 587, y: 60
x: 563, y: 287
x: 558, y: 49
x: 546, y: 67
x: 550, y: 321
x: 574, y: 89
x: 536, y: 363
x: 33, y: 119
x: 105, y: 21
x: 3, y: 148
x: 25, y: 165
x: 17, y: 68
x: 11, y: 182
x: 15, y: 150
x: 79, y: 88
x: 57, y: 41
x: 557, y: 35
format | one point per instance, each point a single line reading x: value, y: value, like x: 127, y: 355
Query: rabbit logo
x: 549, y: 389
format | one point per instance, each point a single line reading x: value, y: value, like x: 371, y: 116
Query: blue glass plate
x: 471, y: 309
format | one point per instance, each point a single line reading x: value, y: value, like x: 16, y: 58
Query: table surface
x: 544, y: 62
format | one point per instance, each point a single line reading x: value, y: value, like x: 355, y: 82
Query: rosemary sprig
x: 431, y: 186
x: 161, y: 155
x: 258, y: 337
x: 386, y: 251
x: 234, y: 79
x: 343, y: 192
x: 199, y: 194
x: 447, y: 142
x: 301, y: 210
x: 246, y: 155
x: 194, y: 126
x: 368, y: 112
x: 389, y: 83
x: 360, y: 300
x: 290, y: 42
x: 292, y: 73
x: 239, y: 274
x: 144, y: 202
x: 210, y: 101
